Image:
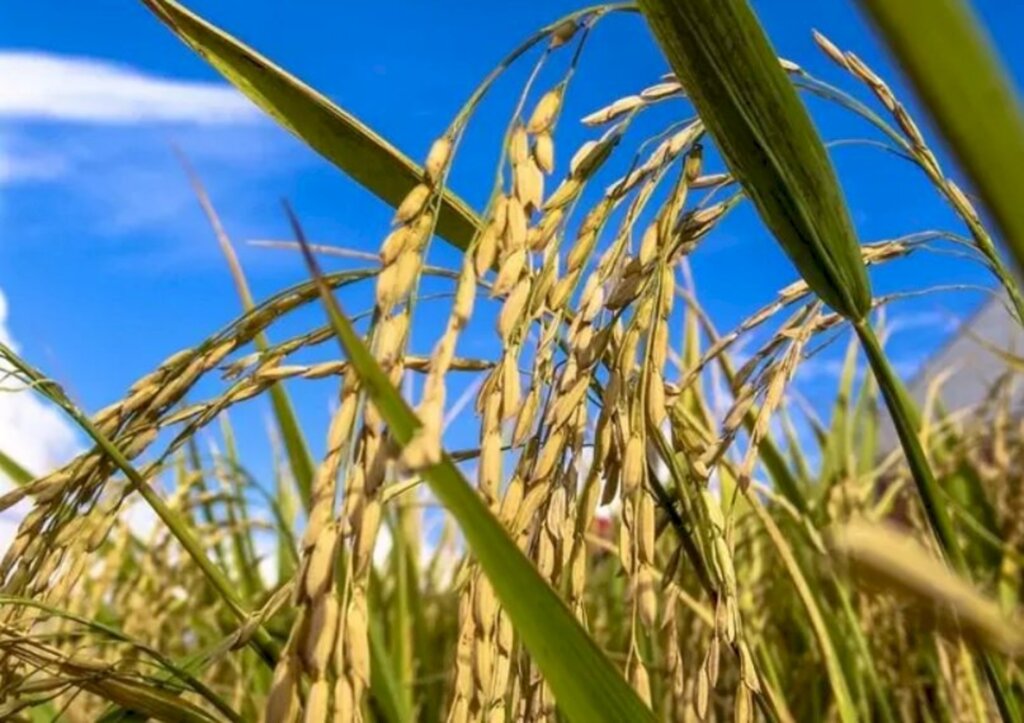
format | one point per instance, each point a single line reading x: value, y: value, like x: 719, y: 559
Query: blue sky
x: 107, y: 264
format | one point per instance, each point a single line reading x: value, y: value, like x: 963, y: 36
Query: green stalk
x: 837, y: 677
x: 193, y: 460
x: 908, y: 423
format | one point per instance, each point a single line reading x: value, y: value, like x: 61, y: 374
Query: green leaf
x: 333, y: 133
x: 236, y: 516
x: 284, y: 507
x: 957, y: 73
x: 18, y: 474
x: 733, y: 77
x: 837, y: 452
x: 385, y: 684
x: 299, y: 458
x: 586, y: 685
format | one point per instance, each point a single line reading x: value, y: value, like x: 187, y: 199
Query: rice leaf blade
x: 332, y: 132
x: 733, y: 77
x: 17, y: 474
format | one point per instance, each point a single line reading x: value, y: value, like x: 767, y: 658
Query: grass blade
x: 18, y: 474
x: 330, y: 131
x: 584, y: 682
x: 955, y: 70
x: 299, y: 458
x: 385, y: 684
x: 833, y: 667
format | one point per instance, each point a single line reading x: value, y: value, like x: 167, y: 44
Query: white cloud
x: 938, y: 321
x: 43, y: 86
x: 32, y: 433
x: 41, y: 167
x: 86, y: 144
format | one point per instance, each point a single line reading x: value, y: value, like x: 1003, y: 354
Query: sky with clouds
x: 107, y: 265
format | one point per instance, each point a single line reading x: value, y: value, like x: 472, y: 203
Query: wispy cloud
x: 42, y: 86
x: 936, y: 321
x: 40, y: 166
x: 85, y: 143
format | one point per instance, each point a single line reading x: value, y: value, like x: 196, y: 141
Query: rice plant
x: 647, y: 526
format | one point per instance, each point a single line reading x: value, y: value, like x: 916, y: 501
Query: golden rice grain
x: 412, y: 204
x: 437, y: 159
x: 320, y: 568
x: 558, y: 294
x: 357, y: 652
x: 516, y: 225
x: 318, y: 644
x: 550, y: 453
x: 549, y: 225
x: 511, y: 268
x: 544, y: 113
x: 633, y: 465
x: 317, y: 700
x: 526, y: 417
x: 544, y: 152
x: 465, y: 294
x: 829, y: 48
x: 512, y: 310
x: 613, y: 111
x: 647, y: 596
x: 744, y: 707
x: 529, y: 184
x: 344, y: 700
x: 394, y: 244
x: 483, y: 662
x: 512, y: 500
x: 567, y: 191
x: 486, y: 251
x: 407, y: 269
x: 519, y: 146
x: 283, y: 700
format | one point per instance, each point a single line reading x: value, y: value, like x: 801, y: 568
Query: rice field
x: 648, y: 525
